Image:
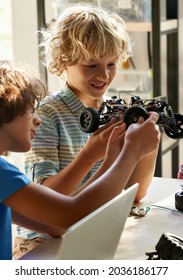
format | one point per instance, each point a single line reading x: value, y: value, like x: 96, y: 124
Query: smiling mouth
x: 101, y: 86
x: 32, y: 134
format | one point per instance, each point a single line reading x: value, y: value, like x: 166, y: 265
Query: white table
x: 140, y: 234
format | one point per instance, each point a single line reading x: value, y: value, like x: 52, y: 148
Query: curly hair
x: 19, y: 90
x: 82, y: 33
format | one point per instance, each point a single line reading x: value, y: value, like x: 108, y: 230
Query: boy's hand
x: 144, y: 135
x: 97, y: 143
x: 115, y: 143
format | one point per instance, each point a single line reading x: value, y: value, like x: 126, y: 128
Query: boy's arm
x: 42, y: 162
x: 60, y: 211
x: 67, y: 179
x: 26, y: 222
x: 143, y: 172
x: 48, y: 207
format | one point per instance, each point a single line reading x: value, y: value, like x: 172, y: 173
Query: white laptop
x: 94, y: 237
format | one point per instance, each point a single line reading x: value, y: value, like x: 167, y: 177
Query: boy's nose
x: 37, y: 120
x: 103, y: 75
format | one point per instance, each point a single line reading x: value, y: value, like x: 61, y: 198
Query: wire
x: 166, y: 208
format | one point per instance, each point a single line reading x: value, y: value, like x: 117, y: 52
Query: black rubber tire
x: 173, y: 134
x: 89, y: 120
x: 133, y: 113
x: 179, y: 201
x: 170, y: 247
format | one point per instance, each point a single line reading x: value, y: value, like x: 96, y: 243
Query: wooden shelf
x: 166, y: 26
x: 139, y: 26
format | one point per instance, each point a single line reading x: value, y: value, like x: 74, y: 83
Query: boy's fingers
x: 119, y: 129
x: 108, y: 127
x: 140, y: 120
x: 118, y: 132
x: 153, y: 117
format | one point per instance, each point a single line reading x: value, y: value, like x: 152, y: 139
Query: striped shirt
x: 57, y: 142
x: 59, y: 138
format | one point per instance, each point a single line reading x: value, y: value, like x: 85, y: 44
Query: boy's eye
x: 91, y: 65
x: 112, y: 64
x: 32, y: 110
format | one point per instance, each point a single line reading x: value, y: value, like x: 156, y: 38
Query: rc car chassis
x: 172, y: 123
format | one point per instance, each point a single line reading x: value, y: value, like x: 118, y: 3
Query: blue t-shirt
x: 11, y: 180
